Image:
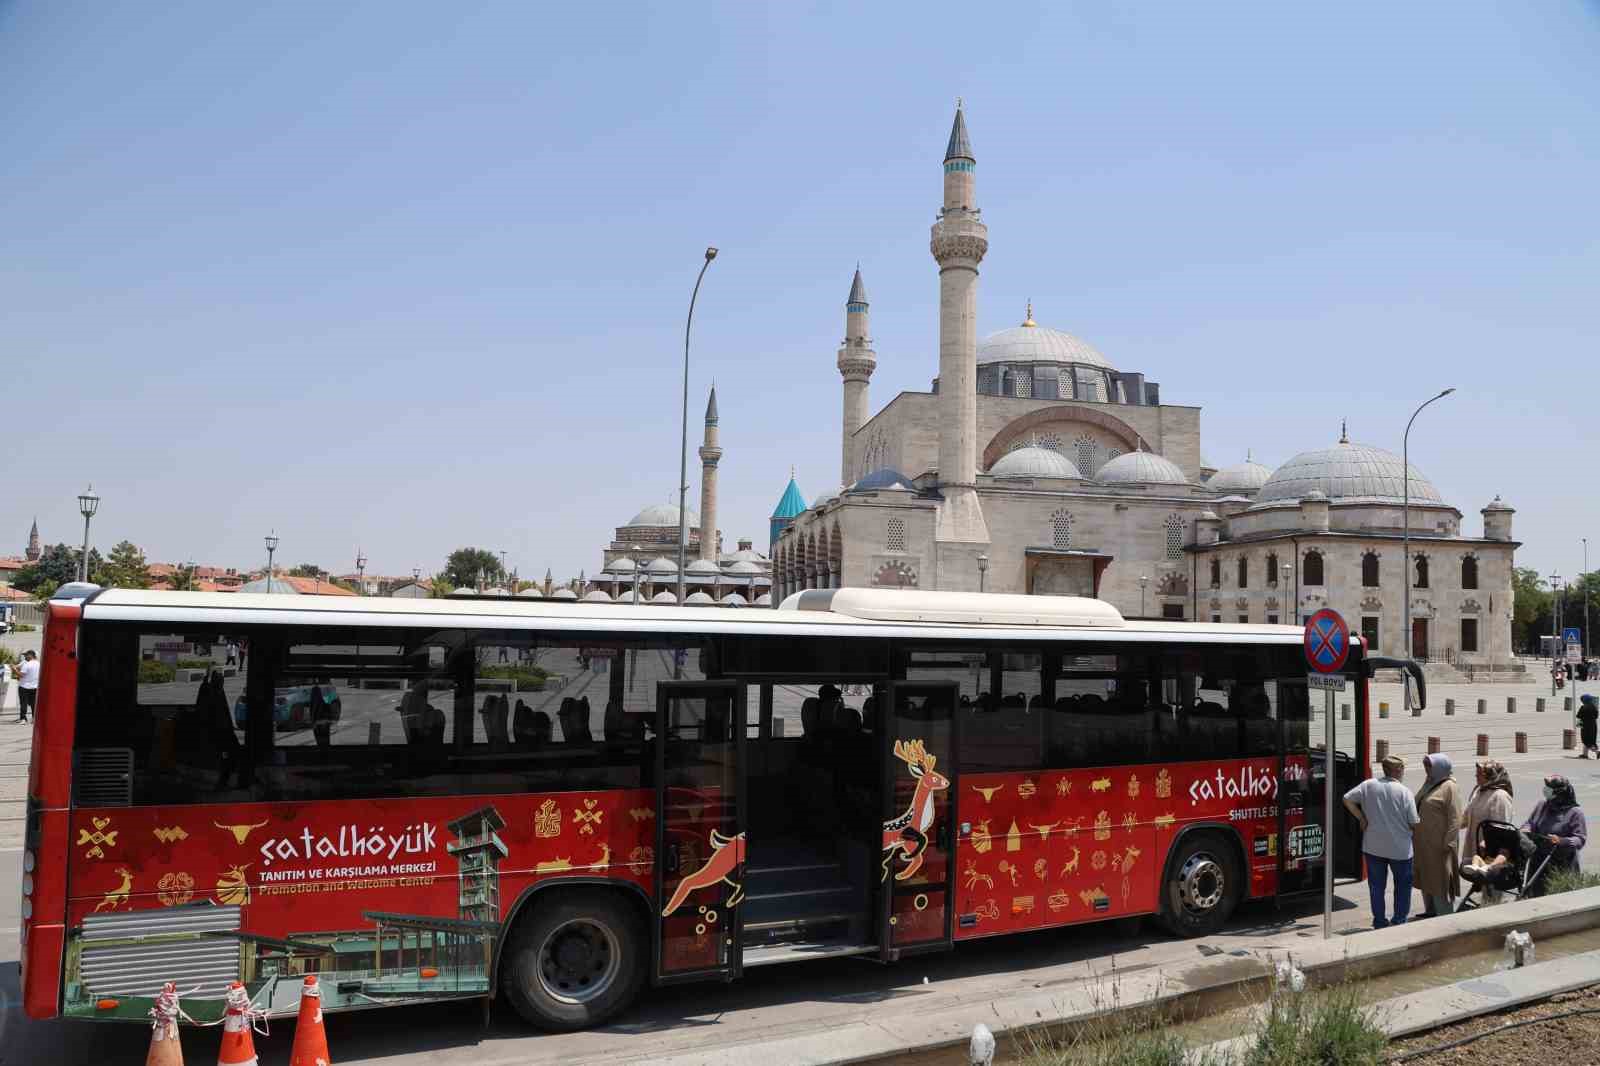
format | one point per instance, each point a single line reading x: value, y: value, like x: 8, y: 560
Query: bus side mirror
x: 1411, y: 674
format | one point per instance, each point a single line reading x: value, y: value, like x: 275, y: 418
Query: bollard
x: 1538, y: 705
x: 1483, y: 743
x: 1522, y: 743
x: 1383, y: 710
x: 1483, y: 706
x: 1569, y: 740
x: 1382, y: 750
x: 1449, y: 708
x: 1511, y: 705
x: 1433, y: 745
x: 1566, y: 703
x: 1344, y: 712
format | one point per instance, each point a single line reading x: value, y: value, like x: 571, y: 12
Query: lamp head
x: 1448, y: 391
x: 272, y: 542
x: 983, y: 562
x: 88, y: 502
x: 711, y: 253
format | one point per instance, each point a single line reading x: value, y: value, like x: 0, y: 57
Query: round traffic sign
x: 1327, y: 641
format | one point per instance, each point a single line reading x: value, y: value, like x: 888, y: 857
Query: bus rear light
x: 28, y: 860
x: 27, y: 885
x: 107, y: 1004
x: 27, y: 908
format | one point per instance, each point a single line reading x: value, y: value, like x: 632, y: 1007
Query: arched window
x: 1050, y: 441
x: 1469, y: 572
x: 1311, y: 569
x: 1061, y: 530
x: 1216, y: 572
x: 1086, y: 456
x: 1369, y: 570
x: 895, y: 539
x: 1064, y: 384
x: 1272, y: 568
x: 1421, y: 564
x: 1174, y: 537
x: 1244, y: 572
x: 1024, y: 381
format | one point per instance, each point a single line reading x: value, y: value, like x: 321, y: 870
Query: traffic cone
x: 165, y: 1050
x: 238, y: 1046
x: 310, y: 1041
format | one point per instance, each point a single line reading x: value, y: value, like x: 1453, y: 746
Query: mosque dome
x: 1348, y: 473
x: 597, y: 596
x: 661, y: 566
x: 702, y: 566
x: 744, y: 568
x: 1034, y: 462
x: 1141, y: 468
x: 622, y: 565
x: 1030, y: 343
x: 563, y: 594
x: 698, y: 598
x: 1244, y: 479
x: 662, y: 514
x: 532, y: 592
x: 882, y: 478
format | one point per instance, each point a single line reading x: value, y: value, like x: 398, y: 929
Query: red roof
x: 14, y: 595
x: 310, y: 586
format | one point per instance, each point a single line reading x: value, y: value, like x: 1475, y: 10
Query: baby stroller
x: 1520, y: 876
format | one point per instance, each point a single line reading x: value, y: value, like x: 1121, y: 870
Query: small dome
x: 1315, y: 496
x: 744, y: 568
x: 596, y: 597
x: 1497, y: 504
x: 1039, y: 344
x: 702, y: 566
x: 1245, y: 479
x: 462, y: 590
x: 663, y: 597
x: 764, y: 600
x: 744, y: 555
x: 625, y: 597
x: 698, y: 598
x: 1035, y: 462
x: 563, y: 594
x: 1141, y: 468
x: 826, y: 498
x: 532, y: 593
x: 1207, y: 516
x: 662, y: 514
x: 733, y: 599
x: 496, y: 590
x: 623, y: 565
x: 882, y: 478
x: 1350, y: 473
x: 661, y: 566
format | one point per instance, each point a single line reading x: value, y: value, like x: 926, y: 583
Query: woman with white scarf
x: 1433, y: 838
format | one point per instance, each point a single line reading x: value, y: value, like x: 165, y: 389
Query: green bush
x: 9, y: 657
x: 1322, y: 1029
x: 155, y: 673
x: 526, y: 678
x: 25, y: 627
x: 1570, y: 880
x: 195, y: 664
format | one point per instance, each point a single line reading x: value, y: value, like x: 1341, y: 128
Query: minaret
x: 958, y: 244
x: 33, y: 551
x: 710, y: 454
x: 857, y: 361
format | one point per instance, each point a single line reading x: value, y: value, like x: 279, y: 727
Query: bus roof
x: 861, y: 612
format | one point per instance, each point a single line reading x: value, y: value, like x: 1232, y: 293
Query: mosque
x: 1035, y: 465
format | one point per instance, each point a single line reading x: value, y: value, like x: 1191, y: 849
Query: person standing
x: 5, y: 681
x: 1387, y: 812
x: 1433, y: 840
x: 1588, y: 715
x: 27, y: 685
x: 1557, y: 822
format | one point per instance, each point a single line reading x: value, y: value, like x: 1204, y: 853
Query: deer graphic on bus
x: 727, y: 855
x: 908, y: 834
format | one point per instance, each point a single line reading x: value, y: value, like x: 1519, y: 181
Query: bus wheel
x: 1203, y: 885
x: 574, y: 960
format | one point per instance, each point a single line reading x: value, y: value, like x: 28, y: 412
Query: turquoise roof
x: 792, y: 502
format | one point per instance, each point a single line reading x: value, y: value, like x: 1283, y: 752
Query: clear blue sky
x: 396, y: 275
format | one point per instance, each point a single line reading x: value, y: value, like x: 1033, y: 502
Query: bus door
x: 1301, y: 786
x: 700, y: 828
x: 916, y: 882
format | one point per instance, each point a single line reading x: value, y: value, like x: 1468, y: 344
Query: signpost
x: 1327, y: 643
x: 1573, y: 639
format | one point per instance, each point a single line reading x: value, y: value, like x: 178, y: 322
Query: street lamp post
x: 1585, y: 580
x: 1405, y: 534
x: 416, y: 581
x: 361, y: 572
x: 88, y: 504
x: 1557, y: 648
x: 1144, y: 579
x: 983, y: 570
x: 272, y: 546
x: 683, y: 439
x: 1291, y: 615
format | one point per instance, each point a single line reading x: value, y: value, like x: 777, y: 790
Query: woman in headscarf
x: 1557, y: 822
x: 1588, y: 718
x: 1433, y: 839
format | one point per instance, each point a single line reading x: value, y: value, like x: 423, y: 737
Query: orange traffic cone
x: 310, y: 1042
x: 165, y: 1050
x: 238, y: 1046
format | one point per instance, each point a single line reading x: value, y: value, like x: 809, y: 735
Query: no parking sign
x: 1327, y: 641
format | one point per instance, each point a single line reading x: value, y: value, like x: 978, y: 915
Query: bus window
x: 1005, y: 731
x: 1224, y: 702
x: 1104, y: 713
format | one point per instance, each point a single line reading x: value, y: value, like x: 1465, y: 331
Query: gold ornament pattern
x: 1129, y: 821
x: 987, y: 793
x: 170, y: 836
x: 174, y: 888
x: 1125, y: 861
x: 547, y: 820
x: 1163, y: 785
x: 1040, y: 868
x: 972, y: 875
x: 119, y: 895
x: 640, y: 814
x: 1022, y: 905
x: 1102, y: 826
x: 1044, y: 830
x: 1072, y: 864
x: 981, y: 840
x: 1100, y: 784
x: 1164, y: 821
x: 988, y: 911
x: 96, y: 837
x: 1059, y: 900
x: 554, y: 866
x: 1133, y: 786
x: 1098, y: 860
x: 1064, y: 786
x: 587, y: 817
x: 1091, y: 896
x: 1027, y: 789
x: 642, y: 855
x: 241, y: 833
x: 1009, y: 870
x: 231, y: 887
x: 1013, y: 837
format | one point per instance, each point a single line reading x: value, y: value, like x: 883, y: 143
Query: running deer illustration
x: 908, y: 834
x: 727, y: 855
x: 119, y: 895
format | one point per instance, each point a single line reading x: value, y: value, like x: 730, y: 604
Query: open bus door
x: 916, y: 884
x: 700, y: 829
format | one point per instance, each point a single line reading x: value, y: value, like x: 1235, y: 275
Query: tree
x: 57, y: 565
x: 439, y: 586
x: 1530, y: 607
x: 125, y: 568
x: 466, y: 566
x: 305, y: 570
x: 183, y: 579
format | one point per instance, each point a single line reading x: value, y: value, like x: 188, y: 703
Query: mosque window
x: 1050, y: 441
x: 1369, y: 570
x: 1086, y: 457
x: 1469, y: 572
x: 895, y: 539
x: 1216, y: 574
x: 1422, y: 572
x: 1064, y: 384
x: 1090, y: 386
x: 1272, y: 568
x: 1312, y: 568
x: 1244, y: 572
x: 1061, y: 530
x: 1174, y: 537
x: 1024, y: 384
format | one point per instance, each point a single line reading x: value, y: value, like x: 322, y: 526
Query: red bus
x: 560, y: 803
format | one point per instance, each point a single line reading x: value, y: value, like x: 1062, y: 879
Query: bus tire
x: 1203, y: 884
x: 574, y: 959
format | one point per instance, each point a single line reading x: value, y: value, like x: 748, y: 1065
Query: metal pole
x: 1405, y: 537
x: 683, y: 437
x: 1327, y: 817
x: 83, y: 564
x: 1585, y: 580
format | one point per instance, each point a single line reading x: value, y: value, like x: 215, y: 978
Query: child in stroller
x: 1507, y: 861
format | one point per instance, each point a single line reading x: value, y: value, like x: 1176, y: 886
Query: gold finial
x: 1028, y: 321
x: 1344, y: 433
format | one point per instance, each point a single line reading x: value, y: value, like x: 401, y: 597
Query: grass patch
x: 527, y: 678
x: 152, y: 672
x: 1570, y: 880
